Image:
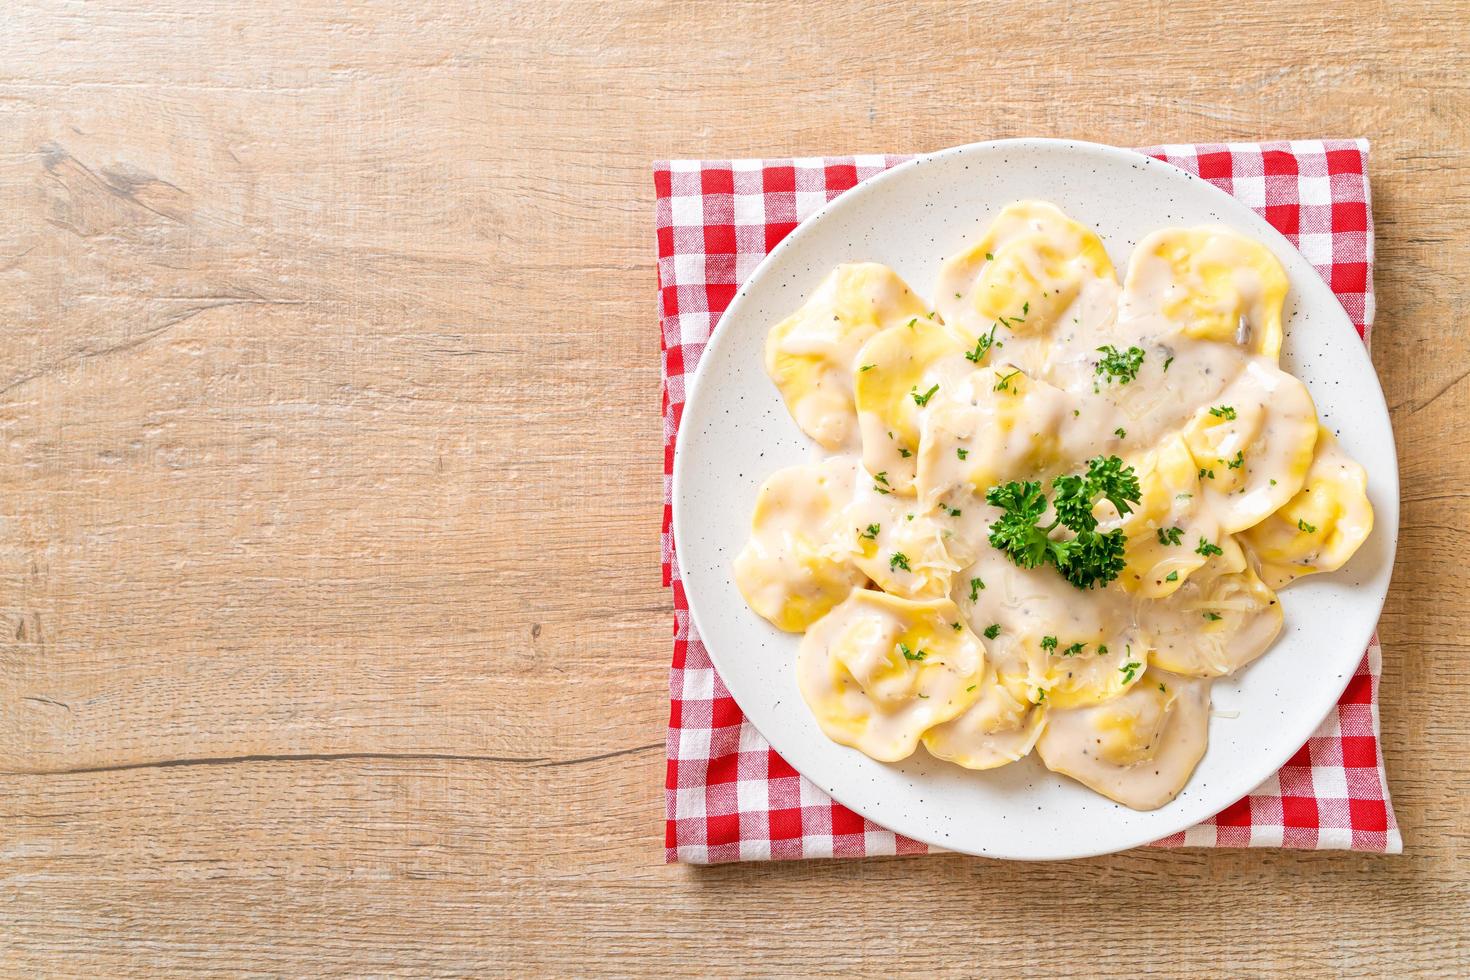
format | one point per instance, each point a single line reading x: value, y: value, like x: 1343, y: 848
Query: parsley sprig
x: 922, y: 400
x: 982, y: 345
x: 910, y: 654
x: 1118, y: 365
x: 1087, y: 559
x: 1169, y: 535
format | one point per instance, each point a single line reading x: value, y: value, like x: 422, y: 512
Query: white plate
x: 736, y: 432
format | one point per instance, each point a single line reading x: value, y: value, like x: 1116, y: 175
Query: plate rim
x: 864, y: 188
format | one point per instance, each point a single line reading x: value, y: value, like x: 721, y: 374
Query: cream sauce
x: 791, y: 571
x: 880, y: 671
x: 1138, y: 749
x: 1320, y: 528
x: 811, y: 354
x: 1004, y: 380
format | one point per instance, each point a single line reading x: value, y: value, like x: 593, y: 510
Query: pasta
x: 1053, y: 508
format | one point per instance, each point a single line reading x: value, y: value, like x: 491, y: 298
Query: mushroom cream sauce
x: 1030, y: 361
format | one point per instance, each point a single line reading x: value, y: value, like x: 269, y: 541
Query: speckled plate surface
x: 735, y: 432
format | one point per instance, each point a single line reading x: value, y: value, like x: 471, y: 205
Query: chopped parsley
x: 1040, y: 695
x: 922, y: 400
x: 1167, y: 361
x: 1073, y: 650
x: 956, y: 626
x: 1049, y: 643
x: 1172, y: 577
x: 953, y: 511
x: 1206, y: 473
x: 867, y: 367
x: 912, y: 322
x: 911, y: 655
x: 1302, y: 525
x: 975, y: 586
x: 1207, y: 549
x: 1120, y: 432
x: 961, y: 453
x: 957, y: 296
x: 899, y: 560
x: 970, y: 688
x: 1169, y: 535
x: 1119, y: 366
x: 881, y: 477
x: 1128, y: 671
x: 989, y: 257
x: 992, y: 631
x: 1090, y: 557
x: 982, y: 346
x: 904, y: 452
x: 1225, y: 412
x: 1102, y: 649
x: 1213, y: 617
x: 1004, y: 384
x: 1162, y: 690
x: 872, y: 532
x: 881, y: 490
x: 1238, y: 461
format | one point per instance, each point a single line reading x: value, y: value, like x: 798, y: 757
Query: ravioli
x: 1092, y: 669
x: 1139, y: 748
x: 810, y: 354
x: 1007, y: 428
x: 997, y: 730
x: 901, y: 371
x: 1254, y: 445
x: 1050, y: 647
x: 1024, y: 273
x: 1322, y: 526
x: 1168, y: 524
x: 879, y: 671
x: 1213, y: 283
x: 791, y: 571
x: 1223, y: 618
x: 899, y: 545
x: 1067, y: 617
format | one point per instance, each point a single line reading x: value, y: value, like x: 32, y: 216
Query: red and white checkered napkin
x: 730, y: 796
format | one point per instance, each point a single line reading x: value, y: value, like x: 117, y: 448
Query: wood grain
x: 331, y: 636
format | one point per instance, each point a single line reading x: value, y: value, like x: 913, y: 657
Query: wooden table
x: 333, y: 639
